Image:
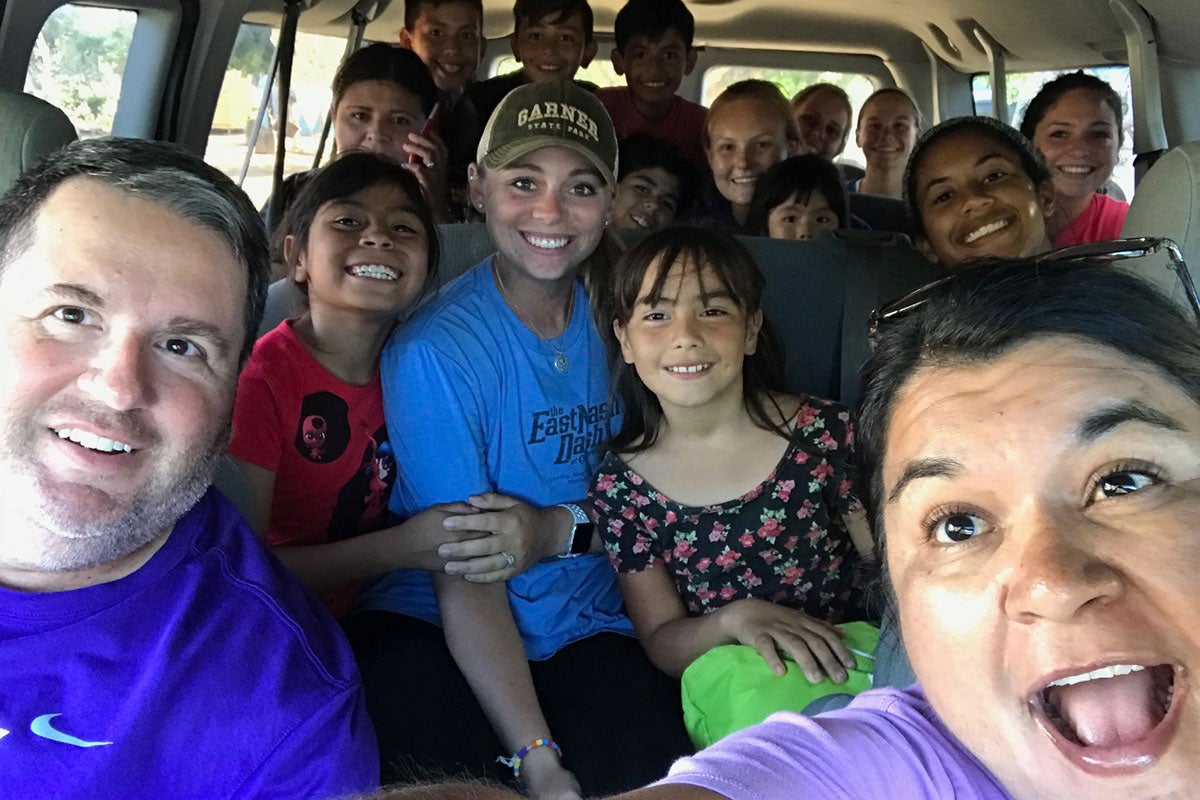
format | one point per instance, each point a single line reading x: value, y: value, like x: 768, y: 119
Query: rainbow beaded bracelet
x: 514, y: 763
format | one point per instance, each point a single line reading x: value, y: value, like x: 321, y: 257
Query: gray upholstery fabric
x: 30, y: 129
x: 1167, y: 203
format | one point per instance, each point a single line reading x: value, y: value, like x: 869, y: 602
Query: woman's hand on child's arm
x: 815, y: 645
x: 525, y: 532
x: 416, y: 543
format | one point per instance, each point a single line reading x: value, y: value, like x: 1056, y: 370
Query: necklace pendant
x: 561, y: 362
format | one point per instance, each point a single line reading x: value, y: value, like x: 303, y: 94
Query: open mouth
x: 1077, y: 170
x: 377, y: 272
x: 90, y: 441
x: 1118, y: 717
x: 641, y: 222
x: 990, y: 228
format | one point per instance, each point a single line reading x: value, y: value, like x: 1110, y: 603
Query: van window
x: 317, y: 59
x: 78, y: 61
x: 791, y: 81
x: 1023, y: 86
x: 599, y: 72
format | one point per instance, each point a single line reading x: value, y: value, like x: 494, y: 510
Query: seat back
x: 1167, y: 203
x: 30, y: 130
x: 881, y: 213
x: 818, y: 297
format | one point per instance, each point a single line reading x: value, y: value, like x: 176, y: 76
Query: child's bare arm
x: 327, y: 567
x: 674, y: 640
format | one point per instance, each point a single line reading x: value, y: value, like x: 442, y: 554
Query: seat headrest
x: 30, y: 130
x: 1167, y: 201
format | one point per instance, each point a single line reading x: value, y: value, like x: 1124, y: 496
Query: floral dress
x: 784, y: 541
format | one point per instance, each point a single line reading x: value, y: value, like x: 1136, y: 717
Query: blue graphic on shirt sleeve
x: 42, y: 727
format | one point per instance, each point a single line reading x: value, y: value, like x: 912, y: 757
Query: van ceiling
x: 1036, y: 34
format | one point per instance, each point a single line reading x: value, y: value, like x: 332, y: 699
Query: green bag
x: 730, y: 687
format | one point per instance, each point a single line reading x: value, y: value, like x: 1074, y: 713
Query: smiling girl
x: 887, y: 130
x: 308, y: 428
x: 749, y: 129
x: 1075, y: 120
x: 724, y: 504
x: 976, y: 187
x: 497, y: 392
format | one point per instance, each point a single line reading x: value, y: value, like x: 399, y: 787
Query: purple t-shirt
x: 887, y: 743
x: 207, y: 673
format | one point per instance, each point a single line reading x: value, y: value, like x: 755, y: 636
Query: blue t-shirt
x: 207, y: 673
x: 474, y: 403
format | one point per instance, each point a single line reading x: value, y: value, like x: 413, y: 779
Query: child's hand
x: 815, y: 645
x: 508, y: 529
x: 431, y: 169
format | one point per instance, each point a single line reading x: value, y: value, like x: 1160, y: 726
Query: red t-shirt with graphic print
x: 324, y: 439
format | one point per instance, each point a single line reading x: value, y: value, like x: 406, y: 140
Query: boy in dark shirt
x: 448, y: 37
x: 552, y: 40
x: 654, y: 52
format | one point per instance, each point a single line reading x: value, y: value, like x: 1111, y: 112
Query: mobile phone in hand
x: 429, y: 127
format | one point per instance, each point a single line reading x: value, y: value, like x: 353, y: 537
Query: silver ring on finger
x: 509, y: 558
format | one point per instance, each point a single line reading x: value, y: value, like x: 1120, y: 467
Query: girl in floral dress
x: 725, y: 504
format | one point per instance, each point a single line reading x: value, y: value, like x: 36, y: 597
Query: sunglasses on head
x: 1088, y: 255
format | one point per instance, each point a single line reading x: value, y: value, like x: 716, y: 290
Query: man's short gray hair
x: 158, y: 172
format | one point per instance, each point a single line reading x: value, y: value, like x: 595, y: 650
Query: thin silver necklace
x: 561, y: 362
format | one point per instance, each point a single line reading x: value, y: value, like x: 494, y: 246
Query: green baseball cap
x: 554, y: 114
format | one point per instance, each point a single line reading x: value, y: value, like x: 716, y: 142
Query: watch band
x: 582, y: 529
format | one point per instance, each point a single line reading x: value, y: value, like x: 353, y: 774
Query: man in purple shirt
x: 149, y: 646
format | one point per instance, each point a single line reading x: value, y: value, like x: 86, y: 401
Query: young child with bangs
x: 749, y: 129
x: 724, y: 504
x: 654, y: 52
x: 799, y: 198
x: 309, y: 434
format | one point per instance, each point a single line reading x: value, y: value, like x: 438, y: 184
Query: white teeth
x: 750, y: 179
x: 91, y: 441
x: 548, y: 242
x: 640, y: 221
x: 1076, y: 170
x: 376, y: 271
x: 985, y: 230
x: 1098, y: 674
x: 689, y: 370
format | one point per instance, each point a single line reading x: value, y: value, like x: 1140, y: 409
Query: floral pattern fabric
x: 784, y: 541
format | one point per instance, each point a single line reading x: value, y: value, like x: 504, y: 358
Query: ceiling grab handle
x: 354, y: 38
x: 995, y: 54
x: 1149, y: 135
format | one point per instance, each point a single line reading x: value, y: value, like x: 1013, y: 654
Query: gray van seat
x: 881, y: 213
x: 1167, y: 203
x: 463, y: 246
x: 819, y: 294
x: 30, y: 130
